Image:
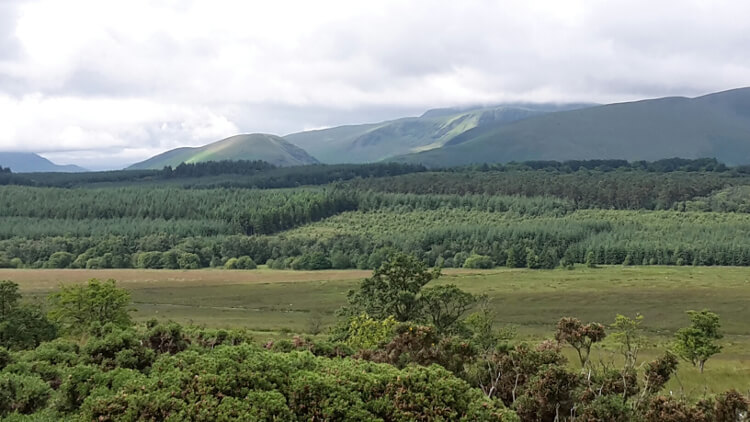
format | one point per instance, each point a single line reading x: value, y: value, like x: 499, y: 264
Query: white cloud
x: 141, y: 76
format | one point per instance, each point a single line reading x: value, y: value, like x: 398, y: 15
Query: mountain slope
x: 715, y: 125
x: 375, y: 142
x: 28, y: 162
x: 258, y: 146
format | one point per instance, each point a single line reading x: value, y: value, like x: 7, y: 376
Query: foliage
x: 422, y: 345
x: 365, y: 332
x: 394, y: 289
x: 481, y: 327
x: 478, y: 261
x: 658, y: 372
x: 628, y: 335
x: 9, y: 297
x: 22, y: 394
x: 579, y: 336
x: 241, y: 263
x: 76, y: 307
x: 697, y: 343
x: 444, y: 305
x: 243, y: 382
x: 21, y: 326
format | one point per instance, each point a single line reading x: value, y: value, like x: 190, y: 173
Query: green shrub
x: 247, y: 382
x: 188, y: 261
x: 311, y: 261
x: 60, y: 260
x: 478, y: 261
x: 340, y: 261
x: 151, y: 260
x: 243, y: 263
x: 5, y: 357
x: 22, y: 394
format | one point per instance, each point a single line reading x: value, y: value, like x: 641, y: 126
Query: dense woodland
x: 535, y: 215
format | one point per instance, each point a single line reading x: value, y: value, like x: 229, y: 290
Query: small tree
x: 590, y: 260
x: 443, y: 306
x: 628, y: 335
x: 76, y: 307
x: 579, y: 336
x: 481, y: 325
x: 9, y: 297
x: 393, y: 289
x: 697, y: 343
x: 21, y: 326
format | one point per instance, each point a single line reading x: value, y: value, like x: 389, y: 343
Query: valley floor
x: 280, y: 303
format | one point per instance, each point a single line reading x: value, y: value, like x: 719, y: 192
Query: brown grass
x: 43, y: 280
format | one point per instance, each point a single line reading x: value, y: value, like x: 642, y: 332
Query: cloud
x: 137, y: 77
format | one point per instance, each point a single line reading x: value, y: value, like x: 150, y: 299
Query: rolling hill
x: 28, y: 162
x: 715, y: 125
x: 257, y: 146
x: 377, y: 141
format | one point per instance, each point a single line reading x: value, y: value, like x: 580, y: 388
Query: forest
x: 534, y: 215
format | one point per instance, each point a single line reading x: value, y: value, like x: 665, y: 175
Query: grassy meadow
x: 275, y: 303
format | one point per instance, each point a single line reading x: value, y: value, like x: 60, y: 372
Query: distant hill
x: 715, y: 125
x: 28, y: 162
x: 377, y: 141
x: 270, y: 148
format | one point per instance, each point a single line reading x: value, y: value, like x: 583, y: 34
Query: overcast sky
x: 105, y: 83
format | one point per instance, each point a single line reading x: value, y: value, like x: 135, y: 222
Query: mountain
x: 377, y: 141
x: 256, y: 146
x: 28, y: 162
x: 715, y: 125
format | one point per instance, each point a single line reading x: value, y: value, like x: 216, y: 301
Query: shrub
x: 22, y: 393
x: 340, y: 261
x: 60, y: 260
x: 188, y: 261
x: 147, y: 260
x: 311, y: 261
x: 365, y: 332
x: 252, y: 384
x: 478, y: 261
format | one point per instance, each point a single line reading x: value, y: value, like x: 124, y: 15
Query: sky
x: 106, y: 83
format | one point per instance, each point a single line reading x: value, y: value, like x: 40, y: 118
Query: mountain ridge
x: 29, y: 162
x: 372, y: 142
x: 711, y: 125
x: 254, y: 146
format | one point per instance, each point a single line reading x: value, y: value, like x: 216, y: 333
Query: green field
x: 274, y: 303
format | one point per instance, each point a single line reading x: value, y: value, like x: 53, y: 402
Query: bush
x: 60, y: 260
x: 311, y: 261
x: 5, y: 358
x: 246, y: 263
x: 169, y: 260
x: 340, y: 261
x: 241, y: 263
x: 478, y: 261
x: 23, y: 394
x: 188, y: 261
x: 151, y: 260
x: 365, y: 332
x: 252, y: 384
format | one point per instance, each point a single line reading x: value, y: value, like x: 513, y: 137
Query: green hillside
x: 378, y: 141
x: 257, y: 146
x: 716, y: 125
